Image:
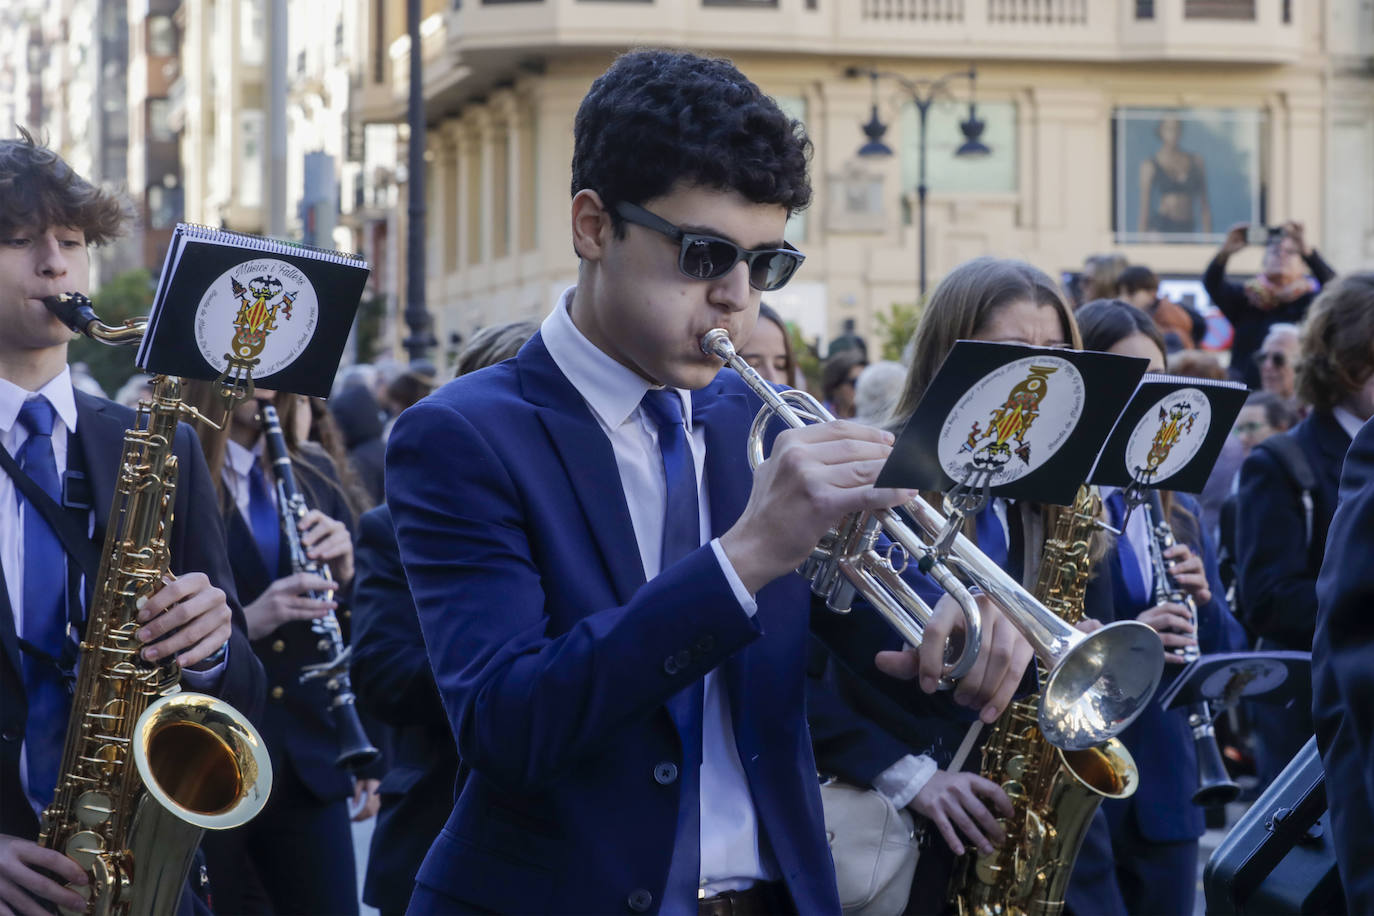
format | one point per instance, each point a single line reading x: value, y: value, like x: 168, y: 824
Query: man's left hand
x: 1003, y: 655
x: 188, y: 617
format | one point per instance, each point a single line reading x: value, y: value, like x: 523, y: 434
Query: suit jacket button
x: 683, y: 659
x: 640, y: 900
x: 665, y: 773
x: 670, y: 665
x: 10, y: 734
x: 705, y: 644
x: 278, y: 692
x: 278, y: 645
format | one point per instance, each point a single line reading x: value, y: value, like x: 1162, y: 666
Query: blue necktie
x: 262, y: 517
x: 992, y: 540
x: 1126, y: 561
x: 45, y: 620
x: 681, y: 535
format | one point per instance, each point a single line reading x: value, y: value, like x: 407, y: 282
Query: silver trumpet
x: 1097, y: 683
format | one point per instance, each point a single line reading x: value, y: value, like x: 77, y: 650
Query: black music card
x: 1170, y: 434
x: 285, y: 309
x: 1026, y: 421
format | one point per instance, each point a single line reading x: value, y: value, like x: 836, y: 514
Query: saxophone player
x: 67, y: 443
x: 1154, y: 833
x: 904, y: 749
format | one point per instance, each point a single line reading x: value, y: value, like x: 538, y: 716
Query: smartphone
x: 1260, y: 235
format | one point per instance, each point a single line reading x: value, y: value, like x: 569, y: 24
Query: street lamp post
x: 923, y: 93
x: 421, y: 338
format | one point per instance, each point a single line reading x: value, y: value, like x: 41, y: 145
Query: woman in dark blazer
x: 1154, y: 833
x: 297, y: 856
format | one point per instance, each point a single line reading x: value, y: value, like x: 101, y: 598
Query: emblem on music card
x: 1168, y: 436
x: 1012, y: 420
x: 264, y: 310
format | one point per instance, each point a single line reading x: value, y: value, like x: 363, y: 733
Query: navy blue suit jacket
x: 1343, y: 673
x: 197, y: 545
x: 1276, y: 576
x: 1160, y: 740
x: 394, y: 683
x: 555, y: 659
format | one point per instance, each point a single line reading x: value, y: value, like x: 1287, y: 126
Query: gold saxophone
x: 1054, y: 792
x: 145, y: 767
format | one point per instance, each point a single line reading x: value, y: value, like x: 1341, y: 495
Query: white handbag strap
x: 970, y: 738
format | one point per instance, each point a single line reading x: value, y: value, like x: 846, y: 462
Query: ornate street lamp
x: 923, y: 93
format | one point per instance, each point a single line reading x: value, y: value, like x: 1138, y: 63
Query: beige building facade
x: 1277, y: 95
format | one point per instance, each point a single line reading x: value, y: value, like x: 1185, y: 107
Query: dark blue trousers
x: 295, y: 857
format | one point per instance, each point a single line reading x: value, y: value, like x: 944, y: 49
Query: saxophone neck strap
x: 69, y: 521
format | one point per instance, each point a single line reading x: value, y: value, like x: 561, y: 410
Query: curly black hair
x: 658, y: 118
x: 39, y: 189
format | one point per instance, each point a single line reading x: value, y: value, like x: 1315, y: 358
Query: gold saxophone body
x: 145, y: 767
x: 1054, y: 792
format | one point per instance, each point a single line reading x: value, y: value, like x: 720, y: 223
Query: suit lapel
x: 101, y: 436
x: 589, y: 460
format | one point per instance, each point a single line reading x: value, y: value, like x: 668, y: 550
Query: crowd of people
x: 576, y: 635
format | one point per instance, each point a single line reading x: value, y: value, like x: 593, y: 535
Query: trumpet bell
x: 1100, y: 685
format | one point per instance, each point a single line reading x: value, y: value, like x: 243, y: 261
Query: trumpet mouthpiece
x: 716, y: 342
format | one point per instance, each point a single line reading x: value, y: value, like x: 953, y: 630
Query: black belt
x: 766, y: 898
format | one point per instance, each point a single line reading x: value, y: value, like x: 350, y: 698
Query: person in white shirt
x: 49, y: 216
x: 605, y: 592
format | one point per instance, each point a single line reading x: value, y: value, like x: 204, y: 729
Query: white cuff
x: 746, y: 600
x: 904, y: 780
x: 208, y: 679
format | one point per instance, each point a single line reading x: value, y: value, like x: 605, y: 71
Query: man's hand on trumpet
x: 990, y: 684
x: 814, y: 477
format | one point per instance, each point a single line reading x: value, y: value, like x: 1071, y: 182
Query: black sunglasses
x: 706, y: 257
x: 1277, y: 357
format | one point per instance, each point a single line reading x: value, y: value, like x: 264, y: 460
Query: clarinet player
x: 1154, y: 833
x: 297, y: 856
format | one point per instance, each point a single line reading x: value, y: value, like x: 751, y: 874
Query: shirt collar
x: 1349, y: 422
x: 58, y: 391
x: 237, y: 459
x: 611, y: 390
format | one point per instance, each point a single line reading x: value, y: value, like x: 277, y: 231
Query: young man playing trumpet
x: 605, y: 592
x: 59, y: 437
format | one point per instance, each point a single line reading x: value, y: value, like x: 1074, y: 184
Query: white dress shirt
x: 238, y: 464
x: 731, y: 858
x: 13, y: 435
x: 1137, y: 538
x: 1349, y: 422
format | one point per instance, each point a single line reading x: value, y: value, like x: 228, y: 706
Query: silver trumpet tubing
x: 1096, y: 683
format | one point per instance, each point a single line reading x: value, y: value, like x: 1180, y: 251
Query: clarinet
x: 1214, y: 785
x: 355, y: 750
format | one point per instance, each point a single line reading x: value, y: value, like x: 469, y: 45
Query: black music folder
x: 283, y: 309
x: 1170, y: 434
x: 1027, y: 422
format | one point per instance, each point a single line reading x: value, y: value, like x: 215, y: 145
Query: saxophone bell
x: 1097, y: 684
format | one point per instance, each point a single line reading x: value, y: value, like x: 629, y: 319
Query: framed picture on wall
x: 1186, y: 174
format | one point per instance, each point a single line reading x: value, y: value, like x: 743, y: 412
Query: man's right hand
x: 815, y: 476
x: 1236, y: 239
x: 23, y: 883
x: 285, y: 600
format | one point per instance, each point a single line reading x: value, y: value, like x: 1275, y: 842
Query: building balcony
x: 482, y: 33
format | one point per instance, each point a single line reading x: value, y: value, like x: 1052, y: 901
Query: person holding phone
x: 1291, y: 275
